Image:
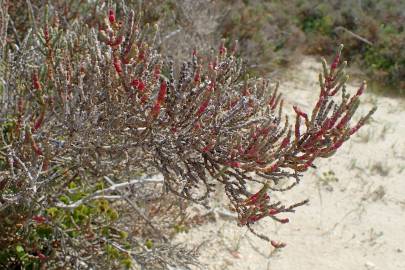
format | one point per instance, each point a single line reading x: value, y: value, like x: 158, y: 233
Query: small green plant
x: 327, y: 179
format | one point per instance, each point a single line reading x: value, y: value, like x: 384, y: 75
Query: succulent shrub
x: 103, y: 140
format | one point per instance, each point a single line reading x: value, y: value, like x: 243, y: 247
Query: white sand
x: 356, y: 222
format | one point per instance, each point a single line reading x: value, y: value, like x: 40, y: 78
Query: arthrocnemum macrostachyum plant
x: 104, y: 104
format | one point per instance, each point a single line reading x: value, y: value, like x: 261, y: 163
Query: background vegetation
x: 372, y: 31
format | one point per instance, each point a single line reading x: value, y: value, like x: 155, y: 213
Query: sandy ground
x: 356, y: 216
